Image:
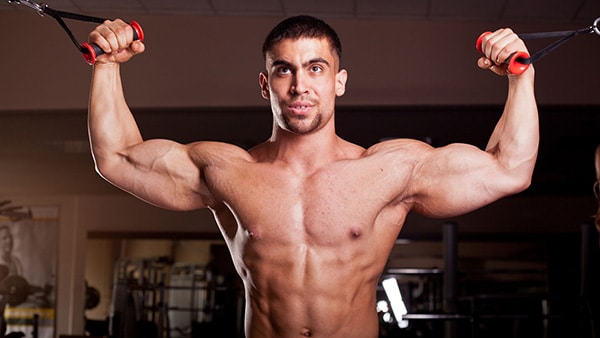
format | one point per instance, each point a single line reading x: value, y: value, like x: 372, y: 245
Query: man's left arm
x: 460, y: 178
x: 515, y: 139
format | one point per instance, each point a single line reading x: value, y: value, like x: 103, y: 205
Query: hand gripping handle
x: 91, y: 51
x: 518, y: 62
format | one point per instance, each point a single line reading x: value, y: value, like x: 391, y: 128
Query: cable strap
x: 566, y: 36
x: 59, y: 15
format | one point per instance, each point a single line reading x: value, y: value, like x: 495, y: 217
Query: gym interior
x: 98, y: 262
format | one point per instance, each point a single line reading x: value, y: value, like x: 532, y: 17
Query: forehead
x: 302, y: 50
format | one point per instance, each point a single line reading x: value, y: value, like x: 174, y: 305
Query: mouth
x: 300, y: 108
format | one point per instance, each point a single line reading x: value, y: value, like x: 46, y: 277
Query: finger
x: 497, y: 43
x: 112, y: 36
x: 509, y: 45
x: 105, y: 38
x: 97, y: 38
x: 123, y: 33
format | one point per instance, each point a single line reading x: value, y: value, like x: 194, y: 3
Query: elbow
x: 100, y: 164
x: 519, y: 173
x: 522, y: 183
x: 104, y: 167
x: 104, y: 173
x: 519, y: 180
x: 101, y: 170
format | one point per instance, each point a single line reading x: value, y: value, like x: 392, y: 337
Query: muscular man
x: 310, y: 218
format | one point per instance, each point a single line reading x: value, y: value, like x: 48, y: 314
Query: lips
x: 300, y: 108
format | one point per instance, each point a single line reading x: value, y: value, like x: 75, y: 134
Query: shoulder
x: 402, y: 148
x: 214, y: 153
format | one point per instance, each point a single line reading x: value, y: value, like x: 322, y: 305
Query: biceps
x: 458, y: 179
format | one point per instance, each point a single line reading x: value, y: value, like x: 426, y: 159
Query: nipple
x: 251, y: 234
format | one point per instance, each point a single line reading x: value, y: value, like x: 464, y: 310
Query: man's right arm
x: 159, y: 172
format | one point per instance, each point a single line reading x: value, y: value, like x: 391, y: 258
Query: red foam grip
x: 516, y: 65
x: 479, y: 39
x: 139, y: 33
x: 88, y: 53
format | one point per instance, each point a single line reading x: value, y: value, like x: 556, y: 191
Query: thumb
x: 137, y: 47
x: 484, y: 63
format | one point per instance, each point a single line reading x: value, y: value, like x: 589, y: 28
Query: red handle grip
x: 517, y: 62
x: 479, y: 39
x: 91, y: 51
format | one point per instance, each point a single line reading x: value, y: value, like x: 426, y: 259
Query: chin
x: 303, y: 128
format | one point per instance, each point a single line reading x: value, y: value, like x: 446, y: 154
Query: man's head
x: 303, y: 75
x: 302, y: 26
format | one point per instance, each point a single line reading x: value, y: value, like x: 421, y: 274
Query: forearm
x: 515, y: 139
x: 111, y: 126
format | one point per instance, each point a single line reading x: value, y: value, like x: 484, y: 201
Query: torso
x: 309, y: 247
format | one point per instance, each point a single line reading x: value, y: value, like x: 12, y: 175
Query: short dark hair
x: 302, y: 26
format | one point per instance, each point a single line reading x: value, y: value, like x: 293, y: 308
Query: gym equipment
x: 89, y: 51
x: 480, y: 300
x: 15, y: 290
x: 3, y: 272
x: 92, y: 297
x: 518, y: 62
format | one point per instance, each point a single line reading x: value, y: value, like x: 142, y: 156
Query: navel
x: 306, y: 333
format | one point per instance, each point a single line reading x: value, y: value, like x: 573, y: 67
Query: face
x: 301, y: 82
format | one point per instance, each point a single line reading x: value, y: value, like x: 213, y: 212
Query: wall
x: 214, y: 61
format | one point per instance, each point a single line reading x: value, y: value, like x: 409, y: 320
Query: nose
x: 299, y: 83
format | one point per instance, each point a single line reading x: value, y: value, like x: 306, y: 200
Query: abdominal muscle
x: 306, y: 290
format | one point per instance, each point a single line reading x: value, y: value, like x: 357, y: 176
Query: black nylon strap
x: 59, y: 15
x: 73, y: 16
x: 566, y: 36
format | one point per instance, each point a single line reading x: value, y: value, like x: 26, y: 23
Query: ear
x: 263, y: 82
x: 340, y: 82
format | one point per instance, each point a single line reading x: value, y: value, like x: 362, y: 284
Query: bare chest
x: 326, y: 208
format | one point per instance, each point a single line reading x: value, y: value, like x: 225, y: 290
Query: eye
x: 316, y: 68
x: 284, y: 70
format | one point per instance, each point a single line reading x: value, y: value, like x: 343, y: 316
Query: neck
x: 305, y: 151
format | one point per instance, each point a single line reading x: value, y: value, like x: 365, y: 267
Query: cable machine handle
x: 518, y: 62
x: 91, y: 51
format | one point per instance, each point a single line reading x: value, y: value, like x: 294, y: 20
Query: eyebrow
x: 311, y: 61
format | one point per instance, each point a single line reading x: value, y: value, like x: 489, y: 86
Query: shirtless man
x: 308, y: 217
